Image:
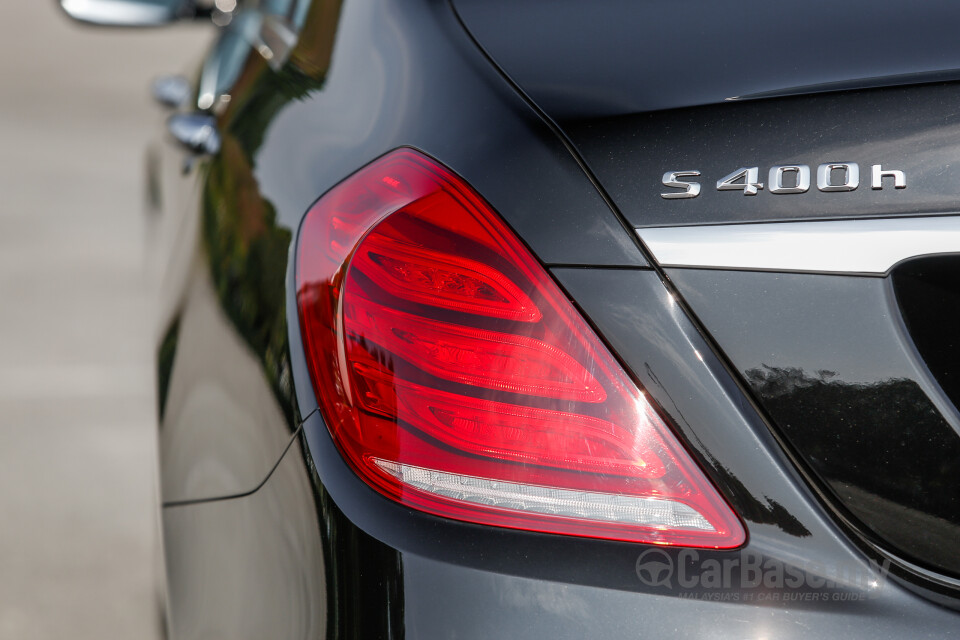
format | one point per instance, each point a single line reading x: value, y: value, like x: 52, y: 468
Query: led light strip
x: 604, y: 507
x: 867, y: 247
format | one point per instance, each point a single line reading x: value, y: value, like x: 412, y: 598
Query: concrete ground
x: 77, y: 434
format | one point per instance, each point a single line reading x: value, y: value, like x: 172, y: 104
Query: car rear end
x: 590, y: 332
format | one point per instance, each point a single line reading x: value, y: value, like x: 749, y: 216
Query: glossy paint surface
x: 306, y: 549
x: 911, y: 129
x: 613, y: 57
x: 637, y: 100
x: 389, y: 572
x: 486, y: 584
x: 928, y: 296
x: 287, y: 138
x: 849, y: 392
x: 225, y: 394
x: 406, y: 75
x: 251, y: 567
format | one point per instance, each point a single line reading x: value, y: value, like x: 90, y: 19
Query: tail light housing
x: 456, y: 378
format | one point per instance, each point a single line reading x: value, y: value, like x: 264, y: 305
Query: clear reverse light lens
x: 648, y: 512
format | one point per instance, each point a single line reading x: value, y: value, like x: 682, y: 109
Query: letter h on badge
x: 878, y: 174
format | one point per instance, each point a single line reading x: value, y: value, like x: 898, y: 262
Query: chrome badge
x: 784, y: 179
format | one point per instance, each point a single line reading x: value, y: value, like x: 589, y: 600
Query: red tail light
x: 456, y: 378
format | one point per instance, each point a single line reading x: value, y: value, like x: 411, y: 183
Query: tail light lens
x: 457, y: 379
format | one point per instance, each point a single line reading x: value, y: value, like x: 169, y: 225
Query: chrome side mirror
x: 171, y: 91
x: 132, y: 13
x: 196, y: 132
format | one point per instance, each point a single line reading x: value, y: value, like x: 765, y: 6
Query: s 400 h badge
x: 784, y: 179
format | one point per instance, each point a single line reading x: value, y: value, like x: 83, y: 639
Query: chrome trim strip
x: 860, y: 246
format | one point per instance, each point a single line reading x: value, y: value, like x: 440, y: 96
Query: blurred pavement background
x: 77, y: 435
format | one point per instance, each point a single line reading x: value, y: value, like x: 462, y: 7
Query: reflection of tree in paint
x: 881, y: 446
x: 247, y: 254
x: 248, y: 251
